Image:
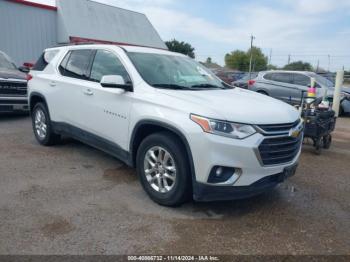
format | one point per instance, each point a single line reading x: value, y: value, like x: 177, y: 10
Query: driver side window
x: 106, y: 63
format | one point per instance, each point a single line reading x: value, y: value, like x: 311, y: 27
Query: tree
x: 259, y: 59
x: 271, y: 67
x: 298, y: 66
x: 239, y: 60
x: 209, y: 60
x: 180, y: 47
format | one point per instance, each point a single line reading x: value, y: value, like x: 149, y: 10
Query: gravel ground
x: 73, y: 199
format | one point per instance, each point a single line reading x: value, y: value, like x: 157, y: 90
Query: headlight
x: 223, y: 128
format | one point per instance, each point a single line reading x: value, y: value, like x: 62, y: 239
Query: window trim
x: 68, y: 51
x: 295, y: 74
x: 113, y: 53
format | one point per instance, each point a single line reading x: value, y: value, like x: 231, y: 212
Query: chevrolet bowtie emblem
x: 295, y: 132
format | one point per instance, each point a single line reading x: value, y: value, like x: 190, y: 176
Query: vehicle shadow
x: 5, y: 117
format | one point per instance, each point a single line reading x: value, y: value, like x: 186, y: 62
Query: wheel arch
x: 145, y: 128
x: 35, y: 98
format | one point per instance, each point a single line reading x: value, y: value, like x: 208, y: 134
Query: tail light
x: 29, y: 77
x: 251, y: 82
x: 28, y: 64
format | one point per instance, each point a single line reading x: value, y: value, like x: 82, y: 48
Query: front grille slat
x: 284, y: 150
x: 13, y: 88
x: 278, y: 128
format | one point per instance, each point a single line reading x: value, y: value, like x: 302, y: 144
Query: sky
x: 316, y: 31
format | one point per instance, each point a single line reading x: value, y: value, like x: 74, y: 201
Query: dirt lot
x: 72, y: 199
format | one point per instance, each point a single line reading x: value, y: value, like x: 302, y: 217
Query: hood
x: 236, y: 105
x: 12, y: 73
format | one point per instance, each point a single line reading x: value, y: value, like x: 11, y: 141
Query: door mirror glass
x: 115, y: 81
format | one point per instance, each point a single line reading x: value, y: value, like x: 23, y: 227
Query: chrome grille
x: 13, y: 88
x: 277, y: 129
x: 279, y: 150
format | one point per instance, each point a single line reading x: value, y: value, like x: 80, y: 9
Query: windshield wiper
x: 172, y: 86
x: 207, y: 86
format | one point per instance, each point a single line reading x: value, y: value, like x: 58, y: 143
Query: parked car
x: 229, y: 76
x: 13, y: 87
x: 288, y: 86
x: 246, y: 80
x: 186, y: 132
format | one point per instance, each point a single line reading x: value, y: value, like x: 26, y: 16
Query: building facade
x: 27, y: 28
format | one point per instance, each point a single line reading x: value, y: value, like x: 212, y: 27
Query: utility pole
x: 288, y: 59
x: 329, y: 63
x: 318, y: 65
x: 251, y: 56
x: 270, y: 57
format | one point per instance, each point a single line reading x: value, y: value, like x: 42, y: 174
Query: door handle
x: 88, y: 92
x: 52, y: 83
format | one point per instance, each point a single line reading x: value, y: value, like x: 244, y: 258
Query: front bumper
x: 205, y: 192
x: 13, y: 104
x: 210, y: 150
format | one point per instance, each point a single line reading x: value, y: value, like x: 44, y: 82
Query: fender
x: 36, y: 94
x: 170, y: 128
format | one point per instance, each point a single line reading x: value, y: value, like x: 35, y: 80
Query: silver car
x: 289, y: 85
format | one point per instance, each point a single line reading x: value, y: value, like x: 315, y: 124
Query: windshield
x: 323, y: 81
x: 174, y: 72
x: 5, y: 63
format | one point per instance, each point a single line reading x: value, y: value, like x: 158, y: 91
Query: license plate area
x: 289, y: 171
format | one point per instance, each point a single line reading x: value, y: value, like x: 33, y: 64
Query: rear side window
x: 302, y: 80
x: 44, y: 60
x: 76, y: 63
x: 283, y: 78
x: 269, y: 76
x: 106, y: 63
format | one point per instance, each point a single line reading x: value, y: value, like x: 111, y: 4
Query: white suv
x: 186, y: 132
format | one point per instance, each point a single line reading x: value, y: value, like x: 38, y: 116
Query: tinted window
x: 5, y: 62
x: 77, y: 64
x: 106, y: 63
x: 63, y: 64
x: 301, y: 80
x: 268, y: 76
x: 283, y: 78
x: 40, y: 64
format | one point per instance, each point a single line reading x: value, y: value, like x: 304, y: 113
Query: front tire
x: 42, y: 126
x: 163, y: 169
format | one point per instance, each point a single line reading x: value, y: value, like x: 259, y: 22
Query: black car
x: 13, y: 87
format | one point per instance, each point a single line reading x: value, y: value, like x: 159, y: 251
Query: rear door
x: 301, y: 83
x: 66, y: 89
x: 279, y: 85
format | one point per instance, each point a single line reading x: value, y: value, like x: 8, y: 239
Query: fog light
x: 220, y: 174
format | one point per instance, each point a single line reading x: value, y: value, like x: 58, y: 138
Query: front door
x: 106, y: 110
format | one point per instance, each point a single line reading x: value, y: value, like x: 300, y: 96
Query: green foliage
x: 298, y: 66
x: 271, y: 67
x: 209, y: 60
x: 239, y: 60
x: 180, y: 47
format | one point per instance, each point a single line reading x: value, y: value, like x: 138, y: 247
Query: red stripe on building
x: 32, y: 4
x: 79, y: 40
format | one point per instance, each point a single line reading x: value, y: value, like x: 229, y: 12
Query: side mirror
x: 115, y: 81
x: 24, y: 69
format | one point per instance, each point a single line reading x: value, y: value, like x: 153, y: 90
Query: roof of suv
x: 288, y: 71
x: 125, y: 47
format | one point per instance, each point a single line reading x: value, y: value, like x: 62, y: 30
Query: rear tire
x: 163, y: 169
x: 42, y: 126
